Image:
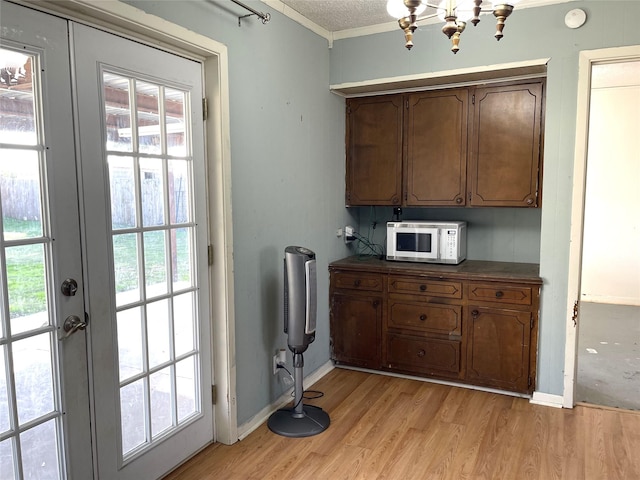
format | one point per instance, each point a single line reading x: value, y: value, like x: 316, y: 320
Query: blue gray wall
x: 287, y: 149
x: 529, y: 34
x: 287, y: 171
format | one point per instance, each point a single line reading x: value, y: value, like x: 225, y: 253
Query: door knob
x: 72, y: 324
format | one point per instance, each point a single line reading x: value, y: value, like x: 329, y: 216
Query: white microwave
x: 424, y: 241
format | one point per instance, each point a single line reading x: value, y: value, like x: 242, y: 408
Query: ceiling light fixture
x: 455, y: 14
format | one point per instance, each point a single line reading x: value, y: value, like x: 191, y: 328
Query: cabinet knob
x: 423, y: 288
x: 423, y: 317
x: 356, y: 283
x: 375, y: 303
x: 459, y: 200
x: 529, y: 201
x: 499, y: 294
x: 475, y: 313
x: 421, y: 353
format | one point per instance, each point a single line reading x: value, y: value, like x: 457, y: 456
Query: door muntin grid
x: 150, y: 171
x: 31, y: 426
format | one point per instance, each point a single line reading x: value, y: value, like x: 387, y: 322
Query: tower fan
x: 300, y: 305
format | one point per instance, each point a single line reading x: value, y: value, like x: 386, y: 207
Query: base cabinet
x: 498, y: 352
x: 355, y: 330
x: 475, y: 323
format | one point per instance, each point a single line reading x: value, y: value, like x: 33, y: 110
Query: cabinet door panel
x: 374, y: 150
x: 436, y: 138
x: 356, y: 323
x: 506, y: 145
x: 498, y: 347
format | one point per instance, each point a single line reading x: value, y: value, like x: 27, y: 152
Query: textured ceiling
x: 338, y: 15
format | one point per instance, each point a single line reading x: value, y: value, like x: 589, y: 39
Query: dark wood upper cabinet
x: 505, y: 146
x: 469, y: 146
x: 374, y: 150
x: 436, y: 148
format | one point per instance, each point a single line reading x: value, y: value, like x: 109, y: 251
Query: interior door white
x: 145, y: 228
x: 44, y: 397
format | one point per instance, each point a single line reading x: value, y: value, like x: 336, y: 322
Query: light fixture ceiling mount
x: 455, y: 13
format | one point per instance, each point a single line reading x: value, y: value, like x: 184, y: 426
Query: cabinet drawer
x: 425, y: 317
x: 370, y: 282
x: 418, y: 286
x: 512, y: 294
x: 423, y: 355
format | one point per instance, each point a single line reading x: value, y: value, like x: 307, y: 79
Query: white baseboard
x: 258, y: 419
x: 547, y: 399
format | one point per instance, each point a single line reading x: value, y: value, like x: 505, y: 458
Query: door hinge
x: 529, y: 382
x: 473, y: 99
x: 205, y: 109
x: 210, y: 254
x: 406, y: 105
x: 576, y: 310
x: 531, y: 323
x: 213, y: 394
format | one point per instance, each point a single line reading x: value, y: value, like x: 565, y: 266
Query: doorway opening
x: 602, y: 361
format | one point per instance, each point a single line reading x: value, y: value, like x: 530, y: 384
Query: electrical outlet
x: 339, y: 232
x: 280, y: 358
x: 349, y: 234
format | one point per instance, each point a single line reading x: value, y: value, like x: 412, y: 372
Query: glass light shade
x: 397, y: 8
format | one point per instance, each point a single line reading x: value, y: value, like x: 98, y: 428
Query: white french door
x: 142, y: 159
x: 141, y: 357
x: 44, y: 391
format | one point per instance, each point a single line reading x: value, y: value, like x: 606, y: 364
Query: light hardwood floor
x: 391, y: 428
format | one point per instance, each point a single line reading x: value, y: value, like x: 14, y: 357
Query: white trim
x: 118, y: 17
x: 263, y: 415
x: 632, y: 301
x: 586, y: 59
x: 390, y: 26
x: 547, y: 399
x: 534, y: 68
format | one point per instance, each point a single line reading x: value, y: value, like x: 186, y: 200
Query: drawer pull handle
x: 499, y: 294
x: 475, y: 313
x: 423, y: 288
x: 356, y: 283
x: 421, y: 353
x: 423, y: 317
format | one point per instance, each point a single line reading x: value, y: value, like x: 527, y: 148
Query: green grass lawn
x: 26, y: 273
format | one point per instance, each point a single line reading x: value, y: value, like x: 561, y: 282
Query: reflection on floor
x: 609, y: 355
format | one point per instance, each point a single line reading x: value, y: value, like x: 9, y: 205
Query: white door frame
x: 586, y: 59
x: 133, y: 23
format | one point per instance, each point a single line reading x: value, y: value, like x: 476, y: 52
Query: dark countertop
x: 467, y: 270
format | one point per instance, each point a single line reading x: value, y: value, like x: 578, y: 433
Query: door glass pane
x: 127, y: 275
x: 175, y: 123
x: 17, y: 100
x: 123, y: 192
x: 26, y: 286
x: 186, y: 388
x: 117, y: 113
x: 33, y: 374
x: 130, y: 347
x: 184, y: 330
x: 132, y: 408
x: 155, y: 263
x: 39, y: 452
x: 161, y: 401
x: 7, y: 464
x: 20, y: 187
x: 152, y: 191
x: 147, y: 103
x: 153, y: 254
x: 28, y: 363
x: 158, y: 331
